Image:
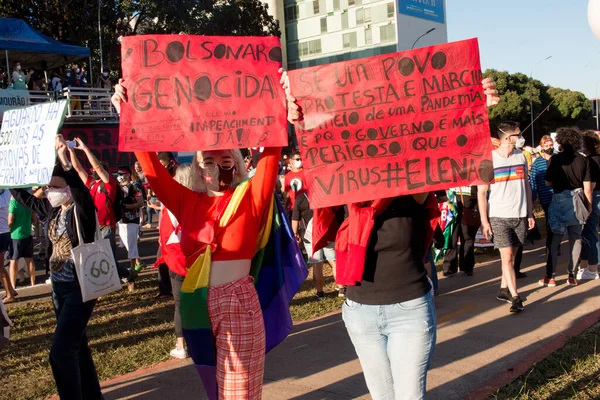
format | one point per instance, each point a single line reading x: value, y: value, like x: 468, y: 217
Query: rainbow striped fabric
x: 510, y: 173
x: 278, y: 269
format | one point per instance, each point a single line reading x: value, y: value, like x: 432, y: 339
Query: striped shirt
x: 538, y: 181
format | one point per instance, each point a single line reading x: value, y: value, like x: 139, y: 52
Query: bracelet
x: 67, y: 167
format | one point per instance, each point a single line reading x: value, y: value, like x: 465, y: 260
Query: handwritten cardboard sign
x: 27, y: 144
x: 395, y: 124
x: 188, y: 93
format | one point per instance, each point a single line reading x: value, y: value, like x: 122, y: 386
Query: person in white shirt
x: 5, y: 240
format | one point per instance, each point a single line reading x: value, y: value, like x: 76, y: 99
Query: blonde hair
x: 197, y: 177
x: 183, y: 175
x: 544, y: 139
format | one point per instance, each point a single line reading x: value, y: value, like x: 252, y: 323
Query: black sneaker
x: 449, y: 273
x: 517, y: 305
x: 320, y: 295
x: 521, y: 275
x: 469, y: 273
x: 504, y: 295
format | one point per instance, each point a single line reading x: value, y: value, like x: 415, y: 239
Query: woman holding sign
x: 220, y: 221
x: 70, y: 357
x: 390, y: 314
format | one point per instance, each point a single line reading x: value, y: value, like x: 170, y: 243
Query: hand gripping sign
x: 188, y: 93
x: 395, y: 124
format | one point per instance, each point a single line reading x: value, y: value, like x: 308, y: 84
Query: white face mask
x: 58, y: 197
x: 520, y: 142
x: 298, y: 164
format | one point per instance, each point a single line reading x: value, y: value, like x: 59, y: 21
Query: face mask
x: 105, y: 75
x: 520, y: 142
x: 121, y: 178
x: 58, y: 197
x: 95, y: 175
x: 219, y: 179
x: 549, y: 151
x: 77, y: 70
x: 298, y: 164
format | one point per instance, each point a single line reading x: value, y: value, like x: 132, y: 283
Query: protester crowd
x: 211, y: 211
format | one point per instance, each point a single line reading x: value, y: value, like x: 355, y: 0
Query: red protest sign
x: 395, y: 124
x: 189, y: 93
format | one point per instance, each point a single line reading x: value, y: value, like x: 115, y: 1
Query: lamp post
x: 100, y: 37
x: 531, y: 96
x: 426, y: 33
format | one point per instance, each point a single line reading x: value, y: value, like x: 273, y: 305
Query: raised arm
x: 83, y: 175
x: 170, y: 193
x: 262, y: 184
x: 102, y: 173
x: 41, y: 207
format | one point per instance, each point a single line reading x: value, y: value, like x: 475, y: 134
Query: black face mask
x: 225, y: 178
x: 549, y: 151
x: 95, y: 175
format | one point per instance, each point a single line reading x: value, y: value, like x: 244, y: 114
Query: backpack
x: 117, y: 206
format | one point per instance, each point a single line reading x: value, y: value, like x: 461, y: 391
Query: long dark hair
x: 590, y: 142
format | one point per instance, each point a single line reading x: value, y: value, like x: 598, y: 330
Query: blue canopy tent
x: 21, y: 43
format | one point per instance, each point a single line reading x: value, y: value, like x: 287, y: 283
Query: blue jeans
x: 70, y: 357
x: 394, y: 344
x: 591, y: 243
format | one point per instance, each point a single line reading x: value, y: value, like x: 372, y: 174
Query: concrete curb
x: 523, y: 366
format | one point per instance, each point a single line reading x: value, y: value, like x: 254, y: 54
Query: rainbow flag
x: 278, y: 270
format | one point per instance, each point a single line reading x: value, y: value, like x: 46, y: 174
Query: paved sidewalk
x: 480, y: 345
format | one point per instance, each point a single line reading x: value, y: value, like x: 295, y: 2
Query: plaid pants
x: 238, y: 327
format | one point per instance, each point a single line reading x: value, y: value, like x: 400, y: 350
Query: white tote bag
x: 95, y: 265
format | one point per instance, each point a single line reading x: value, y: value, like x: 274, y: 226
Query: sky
x: 515, y: 35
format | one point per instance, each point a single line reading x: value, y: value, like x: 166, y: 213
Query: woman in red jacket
x: 233, y: 307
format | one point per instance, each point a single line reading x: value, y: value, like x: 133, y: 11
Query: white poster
x: 27, y: 144
x: 13, y: 99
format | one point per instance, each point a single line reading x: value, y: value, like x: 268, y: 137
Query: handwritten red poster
x: 395, y: 124
x: 189, y: 93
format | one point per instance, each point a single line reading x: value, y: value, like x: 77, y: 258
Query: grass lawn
x: 572, y: 372
x: 127, y: 331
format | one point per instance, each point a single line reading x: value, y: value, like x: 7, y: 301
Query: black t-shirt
x: 595, y: 169
x: 132, y: 193
x: 302, y: 209
x: 568, y: 171
x: 394, y: 270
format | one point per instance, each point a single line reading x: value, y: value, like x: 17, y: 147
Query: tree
x: 76, y: 22
x: 555, y: 107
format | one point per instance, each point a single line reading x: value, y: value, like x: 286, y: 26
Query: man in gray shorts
x: 508, y: 213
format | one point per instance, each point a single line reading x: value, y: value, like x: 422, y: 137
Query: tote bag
x: 95, y: 265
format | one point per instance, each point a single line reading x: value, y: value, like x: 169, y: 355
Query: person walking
x: 590, y: 251
x: 509, y: 212
x: 66, y: 199
x: 539, y: 189
x: 468, y: 223
x: 570, y: 176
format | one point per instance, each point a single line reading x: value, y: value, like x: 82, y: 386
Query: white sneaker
x: 587, y: 275
x: 48, y: 281
x: 181, y: 354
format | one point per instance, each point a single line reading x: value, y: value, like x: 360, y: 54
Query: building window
x: 390, y: 10
x: 368, y: 36
x: 315, y: 7
x: 367, y: 15
x: 309, y: 48
x: 336, y: 5
x: 291, y: 13
x: 351, y: 2
x: 345, y: 20
x: 360, y: 16
x: 349, y: 40
x: 387, y: 33
x: 323, y: 25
